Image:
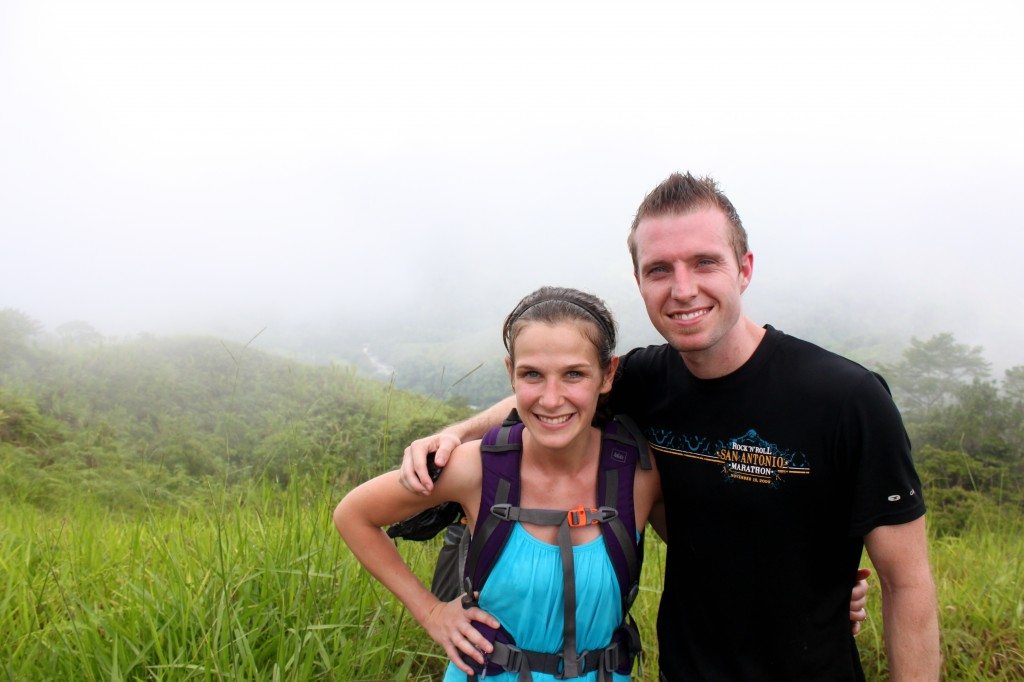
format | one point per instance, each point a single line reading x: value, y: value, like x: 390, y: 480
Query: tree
x: 16, y: 328
x: 1013, y: 384
x: 1013, y: 390
x: 78, y: 333
x: 16, y: 332
x: 931, y: 372
x: 980, y: 423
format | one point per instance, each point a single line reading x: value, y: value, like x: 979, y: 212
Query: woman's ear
x: 609, y: 374
x: 508, y: 368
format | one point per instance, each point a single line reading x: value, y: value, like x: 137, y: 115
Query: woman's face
x: 557, y: 379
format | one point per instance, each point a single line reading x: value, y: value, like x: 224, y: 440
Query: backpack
x: 464, y: 564
x: 501, y: 454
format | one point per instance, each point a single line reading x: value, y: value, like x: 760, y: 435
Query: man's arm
x: 413, y: 472
x: 909, y: 610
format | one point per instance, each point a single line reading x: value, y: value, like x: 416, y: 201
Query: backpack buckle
x: 581, y: 666
x: 503, y: 511
x: 581, y: 516
x: 513, y: 662
x: 468, y: 595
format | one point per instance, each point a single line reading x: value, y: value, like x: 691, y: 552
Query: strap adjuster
x: 581, y: 667
x: 631, y: 597
x: 514, y: 659
x: 610, y: 658
x: 468, y: 598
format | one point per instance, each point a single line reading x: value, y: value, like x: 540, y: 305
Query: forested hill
x: 142, y: 421
x: 150, y: 419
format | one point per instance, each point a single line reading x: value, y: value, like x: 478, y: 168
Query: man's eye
x: 530, y: 374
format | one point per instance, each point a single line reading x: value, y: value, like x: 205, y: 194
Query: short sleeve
x: 875, y: 445
x: 623, y: 395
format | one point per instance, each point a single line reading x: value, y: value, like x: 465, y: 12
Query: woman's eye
x: 573, y: 374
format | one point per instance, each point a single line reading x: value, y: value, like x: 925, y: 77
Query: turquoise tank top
x: 524, y: 592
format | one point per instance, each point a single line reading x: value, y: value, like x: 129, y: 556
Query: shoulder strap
x: 620, y: 454
x: 635, y: 437
x: 500, y: 454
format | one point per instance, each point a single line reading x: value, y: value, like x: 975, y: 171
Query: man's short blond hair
x: 679, y: 194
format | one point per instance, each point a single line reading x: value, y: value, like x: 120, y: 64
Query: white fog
x: 413, y: 169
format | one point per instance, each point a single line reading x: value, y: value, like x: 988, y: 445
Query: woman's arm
x: 359, y: 518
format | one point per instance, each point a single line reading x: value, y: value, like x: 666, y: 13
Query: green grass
x: 253, y: 583
x: 979, y: 578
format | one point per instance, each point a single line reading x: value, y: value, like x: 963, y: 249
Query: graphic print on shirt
x: 744, y: 459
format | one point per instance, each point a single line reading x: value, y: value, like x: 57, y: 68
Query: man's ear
x: 746, y: 270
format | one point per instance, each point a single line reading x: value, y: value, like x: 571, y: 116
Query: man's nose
x: 684, y: 285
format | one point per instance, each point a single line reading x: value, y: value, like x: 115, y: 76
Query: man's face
x: 690, y: 280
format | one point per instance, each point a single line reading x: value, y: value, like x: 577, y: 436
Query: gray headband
x: 609, y: 332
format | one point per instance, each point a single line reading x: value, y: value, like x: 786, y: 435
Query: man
x: 779, y: 462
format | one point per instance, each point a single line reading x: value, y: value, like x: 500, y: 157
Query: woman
x: 560, y: 345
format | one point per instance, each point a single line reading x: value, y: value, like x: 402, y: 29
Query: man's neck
x: 729, y: 354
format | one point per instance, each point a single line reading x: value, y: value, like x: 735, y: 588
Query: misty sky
x: 172, y: 166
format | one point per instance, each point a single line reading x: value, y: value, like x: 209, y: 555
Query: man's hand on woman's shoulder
x: 414, y: 475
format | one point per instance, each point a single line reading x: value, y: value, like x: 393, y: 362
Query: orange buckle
x: 578, y: 517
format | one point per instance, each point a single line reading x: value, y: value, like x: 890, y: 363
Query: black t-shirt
x: 772, y: 475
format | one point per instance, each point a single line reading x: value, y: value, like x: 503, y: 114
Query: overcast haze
x: 224, y: 166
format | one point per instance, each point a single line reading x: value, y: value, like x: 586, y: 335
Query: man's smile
x: 690, y: 315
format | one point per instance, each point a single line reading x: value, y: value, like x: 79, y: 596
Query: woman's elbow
x: 342, y: 515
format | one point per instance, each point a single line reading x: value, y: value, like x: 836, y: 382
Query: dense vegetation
x: 164, y: 511
x: 967, y: 430
x: 136, y: 422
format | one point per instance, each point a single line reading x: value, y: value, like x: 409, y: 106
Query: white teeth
x: 689, y: 316
x: 554, y: 420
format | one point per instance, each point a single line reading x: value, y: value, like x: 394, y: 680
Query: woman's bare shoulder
x: 463, y: 472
